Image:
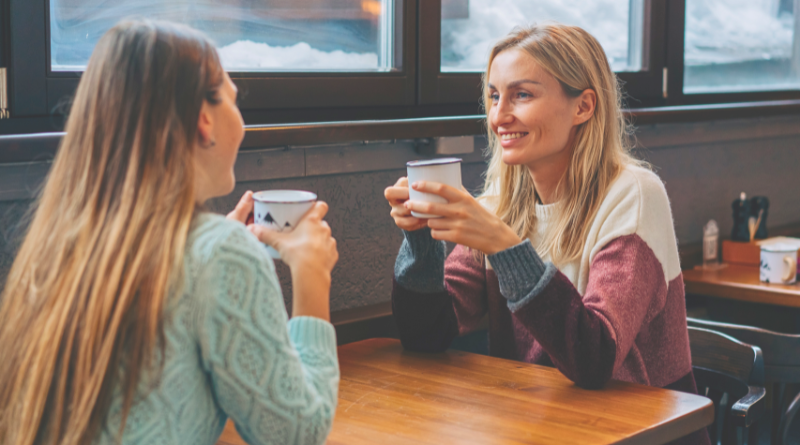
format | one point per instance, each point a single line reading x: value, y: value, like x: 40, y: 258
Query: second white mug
x: 778, y: 264
x: 443, y: 170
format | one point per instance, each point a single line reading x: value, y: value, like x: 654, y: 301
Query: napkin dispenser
x: 749, y: 254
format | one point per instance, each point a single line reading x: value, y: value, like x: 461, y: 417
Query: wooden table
x: 740, y: 283
x: 390, y: 396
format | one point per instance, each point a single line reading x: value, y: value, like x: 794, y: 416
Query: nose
x: 502, y: 113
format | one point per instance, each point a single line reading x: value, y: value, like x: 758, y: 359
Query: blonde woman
x: 130, y: 315
x: 581, y: 264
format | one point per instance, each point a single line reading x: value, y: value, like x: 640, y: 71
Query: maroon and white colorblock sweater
x: 618, y: 312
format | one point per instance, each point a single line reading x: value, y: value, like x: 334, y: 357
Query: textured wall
x: 703, y: 179
x: 704, y: 166
x: 367, y: 238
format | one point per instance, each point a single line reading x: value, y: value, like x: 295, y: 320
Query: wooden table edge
x: 664, y: 433
x: 660, y: 434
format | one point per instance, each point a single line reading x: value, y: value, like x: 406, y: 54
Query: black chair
x: 731, y: 374
x: 781, y: 354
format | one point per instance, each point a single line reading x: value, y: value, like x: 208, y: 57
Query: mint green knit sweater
x: 230, y: 352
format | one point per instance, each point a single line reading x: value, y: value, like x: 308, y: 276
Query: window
x: 268, y: 35
x: 630, y: 31
x: 470, y: 29
x: 333, y: 60
x: 741, y: 45
x: 294, y: 60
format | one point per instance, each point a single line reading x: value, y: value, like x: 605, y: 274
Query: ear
x: 586, y: 104
x: 205, y: 124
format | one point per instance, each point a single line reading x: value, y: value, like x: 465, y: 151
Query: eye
x: 495, y: 97
x: 524, y: 95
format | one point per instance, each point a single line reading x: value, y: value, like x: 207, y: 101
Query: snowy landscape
x: 719, y: 33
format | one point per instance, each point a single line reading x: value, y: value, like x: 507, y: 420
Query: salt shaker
x: 710, y: 245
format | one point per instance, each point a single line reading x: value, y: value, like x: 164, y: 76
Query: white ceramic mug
x: 778, y: 264
x: 281, y: 210
x: 443, y: 170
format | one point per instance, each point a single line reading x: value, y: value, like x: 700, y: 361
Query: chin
x: 511, y: 158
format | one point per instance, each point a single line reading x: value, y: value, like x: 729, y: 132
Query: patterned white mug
x: 778, y: 264
x: 281, y: 210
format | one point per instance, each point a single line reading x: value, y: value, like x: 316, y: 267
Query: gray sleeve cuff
x: 420, y: 263
x: 521, y: 273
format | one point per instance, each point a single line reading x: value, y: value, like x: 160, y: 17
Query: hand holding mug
x: 397, y: 195
x: 243, y: 212
x: 308, y: 246
x: 310, y: 252
x: 463, y: 220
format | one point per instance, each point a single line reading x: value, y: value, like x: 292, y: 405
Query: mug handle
x: 791, y: 261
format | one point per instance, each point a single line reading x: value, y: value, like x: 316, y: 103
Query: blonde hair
x: 601, y: 146
x: 82, y: 309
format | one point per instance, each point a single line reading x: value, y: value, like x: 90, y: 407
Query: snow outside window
x: 471, y: 27
x: 251, y: 35
x: 741, y: 45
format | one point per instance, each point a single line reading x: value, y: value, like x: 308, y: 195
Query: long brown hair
x: 601, y: 148
x: 82, y: 309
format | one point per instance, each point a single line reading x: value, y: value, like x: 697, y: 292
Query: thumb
x: 243, y: 208
x: 265, y: 235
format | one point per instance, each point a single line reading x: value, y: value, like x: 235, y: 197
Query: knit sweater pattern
x: 231, y: 352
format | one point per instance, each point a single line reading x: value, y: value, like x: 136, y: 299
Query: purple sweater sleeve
x: 429, y: 321
x: 587, y: 336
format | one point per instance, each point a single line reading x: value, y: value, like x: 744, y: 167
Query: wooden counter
x: 740, y: 283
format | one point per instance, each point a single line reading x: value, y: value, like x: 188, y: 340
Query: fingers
x: 396, y: 194
x: 431, y: 208
x: 317, y: 212
x: 265, y: 235
x: 243, y: 208
x: 402, y: 182
x: 451, y: 194
x: 443, y: 235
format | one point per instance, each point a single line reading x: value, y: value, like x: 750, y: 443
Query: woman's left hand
x: 244, y: 209
x: 463, y: 220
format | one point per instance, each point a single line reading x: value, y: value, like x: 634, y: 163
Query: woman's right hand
x: 397, y: 195
x: 310, y: 252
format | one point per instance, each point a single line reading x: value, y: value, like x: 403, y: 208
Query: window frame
x: 37, y: 90
x: 676, y: 33
x: 643, y: 88
x: 418, y: 90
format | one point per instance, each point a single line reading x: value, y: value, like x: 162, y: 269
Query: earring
x: 210, y: 143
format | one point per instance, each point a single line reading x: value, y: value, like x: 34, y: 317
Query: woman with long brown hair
x: 132, y: 316
x: 570, y: 250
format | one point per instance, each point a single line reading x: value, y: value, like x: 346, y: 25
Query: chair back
x: 781, y: 354
x: 731, y: 374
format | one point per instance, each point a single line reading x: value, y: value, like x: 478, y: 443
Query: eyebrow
x: 517, y: 83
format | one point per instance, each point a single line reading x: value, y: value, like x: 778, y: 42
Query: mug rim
x: 312, y: 198
x: 429, y: 162
x: 779, y: 248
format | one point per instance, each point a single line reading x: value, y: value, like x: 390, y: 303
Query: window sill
x: 42, y: 146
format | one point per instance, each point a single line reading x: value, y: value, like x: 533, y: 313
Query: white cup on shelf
x: 778, y: 264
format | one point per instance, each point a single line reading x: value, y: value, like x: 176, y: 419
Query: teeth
x: 508, y: 136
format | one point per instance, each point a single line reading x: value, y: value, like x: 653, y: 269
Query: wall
x: 704, y: 167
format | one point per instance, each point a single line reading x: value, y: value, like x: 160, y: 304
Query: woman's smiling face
x: 529, y: 111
